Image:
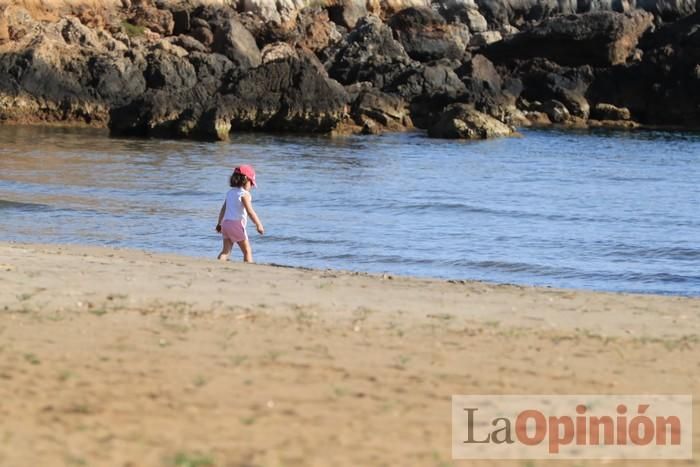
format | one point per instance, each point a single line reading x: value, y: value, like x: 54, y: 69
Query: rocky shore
x: 456, y: 68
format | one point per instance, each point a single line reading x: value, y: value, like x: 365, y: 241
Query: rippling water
x: 601, y: 210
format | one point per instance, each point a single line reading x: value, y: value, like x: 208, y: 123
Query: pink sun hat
x: 248, y: 171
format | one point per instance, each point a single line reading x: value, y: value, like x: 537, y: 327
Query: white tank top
x: 235, y: 211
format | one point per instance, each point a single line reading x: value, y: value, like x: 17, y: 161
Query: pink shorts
x: 234, y: 231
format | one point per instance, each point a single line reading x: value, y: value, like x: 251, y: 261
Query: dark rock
x: 169, y: 71
x: 519, y: 13
x: 160, y: 113
x: 480, y: 76
x: 543, y: 80
x: 232, y: 39
x: 576, y: 103
x: 369, y: 53
x: 556, y: 111
x: 354, y: 90
x: 212, y: 70
x: 434, y: 82
x: 668, y: 10
x: 181, y: 22
x: 661, y: 89
x: 203, y: 35
x: 291, y: 94
x: 461, y: 121
x: 189, y: 43
x: 370, y: 127
x: 425, y: 35
x: 117, y: 81
x: 598, y: 39
x: 485, y: 89
x: 428, y: 89
x: 199, y: 23
x: 378, y: 110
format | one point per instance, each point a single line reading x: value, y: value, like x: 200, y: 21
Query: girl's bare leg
x: 225, y: 250
x: 247, y: 251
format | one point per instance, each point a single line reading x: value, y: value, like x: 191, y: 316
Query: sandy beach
x: 125, y: 358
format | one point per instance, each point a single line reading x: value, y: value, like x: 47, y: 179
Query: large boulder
x: 661, y: 88
x: 169, y: 71
x: 428, y: 89
x: 160, y: 113
x: 555, y: 110
x: 368, y: 53
x: 434, y: 82
x: 484, y: 86
x: 65, y: 72
x: 461, y: 121
x: 375, y: 111
x: 544, y: 80
x: 234, y: 41
x: 203, y: 35
x: 116, y: 81
x: 597, y: 39
x: 425, y: 35
x: 212, y: 70
x: 290, y: 94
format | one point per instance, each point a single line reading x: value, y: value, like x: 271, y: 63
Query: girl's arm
x: 221, y: 217
x: 248, y: 205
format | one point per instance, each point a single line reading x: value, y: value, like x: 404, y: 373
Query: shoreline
x: 122, y: 357
x: 452, y: 292
x: 379, y: 275
x: 566, y: 128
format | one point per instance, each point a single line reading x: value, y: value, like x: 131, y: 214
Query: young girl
x: 233, y: 215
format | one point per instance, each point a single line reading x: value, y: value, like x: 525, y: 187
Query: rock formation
x: 456, y: 68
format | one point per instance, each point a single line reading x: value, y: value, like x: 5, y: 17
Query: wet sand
x: 117, y: 357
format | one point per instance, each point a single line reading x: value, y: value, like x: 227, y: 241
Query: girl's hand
x: 261, y: 229
x: 218, y: 228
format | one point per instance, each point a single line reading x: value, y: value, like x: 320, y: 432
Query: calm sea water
x: 603, y: 210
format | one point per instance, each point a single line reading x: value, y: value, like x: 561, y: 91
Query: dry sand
x: 114, y: 357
